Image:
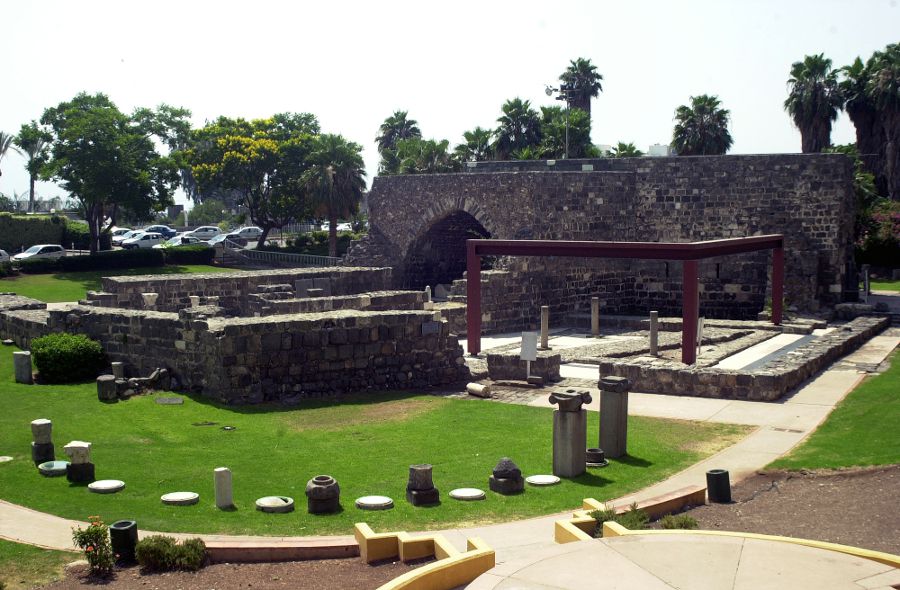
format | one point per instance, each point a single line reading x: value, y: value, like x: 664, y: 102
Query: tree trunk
x: 332, y: 232
x: 263, y: 236
x: 31, y: 193
x: 94, y: 229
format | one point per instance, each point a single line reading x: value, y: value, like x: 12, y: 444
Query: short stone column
x: 107, y: 389
x: 323, y: 495
x: 222, y: 481
x: 42, y: 449
x: 428, y: 305
x: 195, y: 301
x: 614, y: 415
x: 420, y: 490
x: 22, y: 366
x: 149, y: 300
x: 654, y: 333
x: 569, y: 432
x: 118, y: 370
x: 80, y: 469
x: 545, y: 327
x: 506, y: 478
x: 595, y: 317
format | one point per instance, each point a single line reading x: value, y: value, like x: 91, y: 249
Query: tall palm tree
x: 520, y: 126
x: 335, y: 180
x: 814, y: 100
x: 865, y: 116
x: 35, y: 145
x: 702, y: 128
x: 6, y: 144
x: 626, y: 150
x: 883, y: 89
x: 582, y: 76
x: 395, y: 128
x: 476, y: 147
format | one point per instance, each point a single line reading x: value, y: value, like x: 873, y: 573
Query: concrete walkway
x: 780, y: 426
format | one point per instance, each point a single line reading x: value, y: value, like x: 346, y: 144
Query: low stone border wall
x: 509, y: 366
x: 768, y: 383
x: 375, y: 301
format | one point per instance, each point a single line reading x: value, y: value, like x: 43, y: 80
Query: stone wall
x: 375, y: 301
x: 808, y: 198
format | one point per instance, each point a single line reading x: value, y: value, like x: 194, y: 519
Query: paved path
x: 780, y: 425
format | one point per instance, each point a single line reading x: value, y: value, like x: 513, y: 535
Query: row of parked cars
x: 162, y: 236
x: 37, y: 251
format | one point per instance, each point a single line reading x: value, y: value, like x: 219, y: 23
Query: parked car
x: 4, y: 257
x: 165, y: 230
x: 118, y: 231
x: 41, y: 251
x: 340, y: 226
x: 146, y: 239
x: 205, y: 232
x: 184, y: 239
x: 249, y: 233
x: 233, y: 238
x: 117, y: 240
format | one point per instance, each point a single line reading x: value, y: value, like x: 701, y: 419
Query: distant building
x: 658, y: 150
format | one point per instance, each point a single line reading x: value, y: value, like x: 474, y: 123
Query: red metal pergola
x: 690, y: 253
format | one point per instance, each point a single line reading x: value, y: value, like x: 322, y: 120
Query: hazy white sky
x: 451, y: 64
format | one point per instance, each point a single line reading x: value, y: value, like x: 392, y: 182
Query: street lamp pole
x: 564, y: 92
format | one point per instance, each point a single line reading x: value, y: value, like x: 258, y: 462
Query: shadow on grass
x: 634, y: 461
x: 355, y: 399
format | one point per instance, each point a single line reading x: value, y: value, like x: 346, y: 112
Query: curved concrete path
x: 781, y: 426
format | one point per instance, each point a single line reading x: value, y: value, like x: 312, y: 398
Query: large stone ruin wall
x: 807, y: 198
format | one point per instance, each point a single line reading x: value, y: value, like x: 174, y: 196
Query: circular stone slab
x: 467, y: 494
x: 53, y: 468
x: 374, y: 503
x: 542, y: 480
x: 603, y: 463
x: 5, y: 458
x: 180, y: 498
x: 275, y: 504
x: 106, y: 486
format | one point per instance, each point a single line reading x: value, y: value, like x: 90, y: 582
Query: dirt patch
x: 342, y: 416
x: 852, y: 507
x: 346, y: 574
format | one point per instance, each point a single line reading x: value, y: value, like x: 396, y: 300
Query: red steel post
x: 777, y: 285
x: 473, y: 299
x: 690, y: 312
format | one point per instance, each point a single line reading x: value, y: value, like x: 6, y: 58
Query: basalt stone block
x: 80, y: 472
x: 507, y: 469
x: 323, y: 495
x: 423, y: 497
x: 42, y: 430
x: 506, y: 486
x: 42, y: 452
x: 107, y: 390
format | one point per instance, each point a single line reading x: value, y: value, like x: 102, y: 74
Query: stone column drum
x: 42, y: 448
x: 22, y: 367
x: 223, y: 486
x: 420, y: 490
x: 107, y: 390
x: 80, y: 468
x: 506, y: 478
x: 323, y: 495
x: 614, y: 415
x: 569, y: 432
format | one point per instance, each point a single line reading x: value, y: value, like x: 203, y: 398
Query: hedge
x: 135, y: 258
x: 67, y: 358
x: 194, y: 254
x: 18, y: 231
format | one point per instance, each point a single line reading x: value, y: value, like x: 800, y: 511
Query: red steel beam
x: 473, y: 298
x: 777, y: 285
x: 690, y: 311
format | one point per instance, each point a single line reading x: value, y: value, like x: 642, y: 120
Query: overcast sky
x: 450, y: 64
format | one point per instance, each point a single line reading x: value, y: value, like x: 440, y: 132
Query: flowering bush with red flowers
x: 94, y: 541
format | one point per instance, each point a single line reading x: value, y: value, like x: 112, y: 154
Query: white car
x: 205, y: 233
x: 126, y: 235
x: 4, y: 257
x: 340, y: 227
x: 119, y: 231
x: 180, y: 240
x: 41, y: 251
x: 144, y: 240
x: 250, y: 233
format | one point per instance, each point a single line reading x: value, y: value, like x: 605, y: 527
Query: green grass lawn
x: 367, y: 444
x: 885, y: 286
x: 24, y: 566
x: 72, y: 286
x: 862, y: 430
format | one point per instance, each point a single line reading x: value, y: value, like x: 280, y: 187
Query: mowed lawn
x: 24, y: 566
x: 366, y: 442
x: 863, y: 430
x: 72, y: 286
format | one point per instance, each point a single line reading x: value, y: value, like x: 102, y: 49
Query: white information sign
x: 529, y: 346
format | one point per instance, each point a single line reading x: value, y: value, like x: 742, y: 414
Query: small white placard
x: 529, y: 346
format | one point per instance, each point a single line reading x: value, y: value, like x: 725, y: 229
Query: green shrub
x: 161, y: 553
x: 94, y: 541
x: 315, y: 243
x: 194, y: 254
x: 6, y: 270
x: 67, y: 358
x: 39, y: 265
x: 18, y: 231
x: 678, y: 521
x: 134, y: 258
x: 633, y: 519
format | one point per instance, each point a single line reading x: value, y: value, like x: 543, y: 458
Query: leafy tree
x: 813, y: 101
x: 35, y: 145
x: 883, y: 89
x: 702, y: 128
x: 395, y: 128
x: 208, y: 212
x: 476, y: 146
x: 6, y: 144
x: 263, y: 161
x: 520, y: 126
x: 582, y: 76
x: 425, y: 156
x: 865, y: 116
x: 553, y: 133
x: 626, y: 150
x: 106, y: 160
x: 529, y: 152
x: 173, y: 128
x: 335, y: 180
x: 7, y: 204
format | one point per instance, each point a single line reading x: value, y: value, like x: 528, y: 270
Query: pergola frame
x: 690, y: 253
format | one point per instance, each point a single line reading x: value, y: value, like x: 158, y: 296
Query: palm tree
x: 626, y: 150
x: 865, y: 117
x: 883, y: 89
x: 6, y: 144
x: 702, y: 128
x: 477, y: 145
x: 582, y: 76
x: 335, y: 180
x: 35, y: 145
x: 425, y: 156
x: 395, y: 128
x: 813, y: 101
x: 556, y: 124
x: 520, y: 126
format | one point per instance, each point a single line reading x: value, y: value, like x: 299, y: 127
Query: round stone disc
x: 275, y: 504
x: 542, y: 480
x: 603, y: 463
x: 106, y: 486
x: 468, y: 494
x: 374, y: 503
x: 53, y: 468
x: 180, y: 498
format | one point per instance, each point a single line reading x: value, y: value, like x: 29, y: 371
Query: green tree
x: 6, y: 144
x: 263, y: 161
x: 520, y: 126
x: 335, y: 180
x: 584, y: 81
x: 476, y: 146
x: 702, y: 128
x: 208, y: 212
x: 394, y: 129
x: 425, y: 156
x: 553, y: 133
x: 173, y: 128
x: 883, y: 89
x: 814, y: 100
x: 34, y: 143
x: 105, y: 160
x: 626, y: 150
